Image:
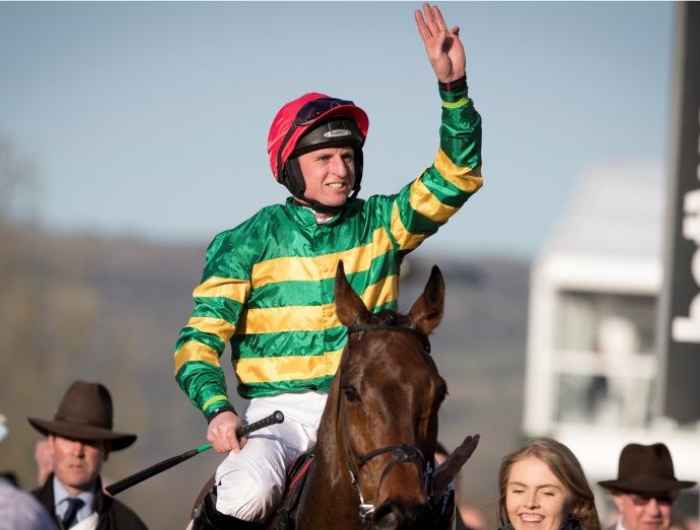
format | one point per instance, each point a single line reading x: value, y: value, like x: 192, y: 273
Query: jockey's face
x: 329, y: 174
x: 77, y: 463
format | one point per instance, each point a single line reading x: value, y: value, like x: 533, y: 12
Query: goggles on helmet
x: 314, y: 108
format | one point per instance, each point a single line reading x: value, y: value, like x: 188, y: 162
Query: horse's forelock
x: 388, y: 317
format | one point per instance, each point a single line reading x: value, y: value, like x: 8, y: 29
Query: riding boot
x: 207, y: 517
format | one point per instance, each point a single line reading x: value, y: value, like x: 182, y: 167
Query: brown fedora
x: 646, y: 469
x: 85, y: 413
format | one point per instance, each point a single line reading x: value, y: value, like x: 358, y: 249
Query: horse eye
x: 351, y: 393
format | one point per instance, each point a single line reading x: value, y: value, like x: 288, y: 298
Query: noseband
x: 400, y: 454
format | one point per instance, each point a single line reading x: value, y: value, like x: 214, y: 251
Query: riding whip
x: 132, y: 480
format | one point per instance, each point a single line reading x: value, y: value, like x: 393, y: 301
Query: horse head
x: 388, y: 392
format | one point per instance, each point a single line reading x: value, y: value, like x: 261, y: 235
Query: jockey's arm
x: 219, y: 301
x: 428, y: 202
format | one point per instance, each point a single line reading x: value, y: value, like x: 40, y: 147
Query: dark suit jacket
x: 113, y: 515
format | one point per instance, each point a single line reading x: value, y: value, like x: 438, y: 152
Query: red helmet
x: 297, y: 117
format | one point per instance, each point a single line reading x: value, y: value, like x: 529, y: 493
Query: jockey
x: 267, y: 286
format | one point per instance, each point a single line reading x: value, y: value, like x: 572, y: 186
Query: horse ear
x: 348, y: 305
x: 427, y: 311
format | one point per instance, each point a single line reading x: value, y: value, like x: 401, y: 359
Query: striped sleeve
x: 218, y: 304
x: 455, y: 175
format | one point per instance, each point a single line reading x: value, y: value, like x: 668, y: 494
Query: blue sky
x: 152, y: 118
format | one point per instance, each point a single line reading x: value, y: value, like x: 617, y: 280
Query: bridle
x: 401, y: 453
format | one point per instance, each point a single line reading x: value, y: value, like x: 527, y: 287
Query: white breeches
x: 250, y: 483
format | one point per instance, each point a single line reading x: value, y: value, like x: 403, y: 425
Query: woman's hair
x: 566, y: 467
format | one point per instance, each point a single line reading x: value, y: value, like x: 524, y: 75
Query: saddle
x: 285, y: 518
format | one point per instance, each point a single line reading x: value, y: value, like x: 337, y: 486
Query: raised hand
x: 443, y: 45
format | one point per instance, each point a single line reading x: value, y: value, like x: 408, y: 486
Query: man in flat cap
x: 80, y: 438
x: 645, y: 488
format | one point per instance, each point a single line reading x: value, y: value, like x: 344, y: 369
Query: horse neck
x: 329, y: 488
x: 330, y: 456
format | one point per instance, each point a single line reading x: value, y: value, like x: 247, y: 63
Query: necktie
x: 70, y: 517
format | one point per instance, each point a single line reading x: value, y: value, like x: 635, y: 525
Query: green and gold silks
x: 267, y: 287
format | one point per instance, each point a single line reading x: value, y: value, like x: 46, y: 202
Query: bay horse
x: 373, y: 461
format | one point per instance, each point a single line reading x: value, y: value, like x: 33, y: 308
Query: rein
x: 400, y: 454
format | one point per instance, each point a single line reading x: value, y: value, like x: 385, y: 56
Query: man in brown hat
x: 80, y: 437
x: 645, y: 488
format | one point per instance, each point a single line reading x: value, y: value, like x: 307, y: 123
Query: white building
x: 592, y: 360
